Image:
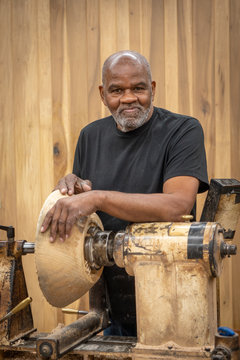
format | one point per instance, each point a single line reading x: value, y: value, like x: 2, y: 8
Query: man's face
x: 128, y: 94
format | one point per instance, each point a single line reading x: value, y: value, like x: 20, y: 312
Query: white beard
x: 128, y: 123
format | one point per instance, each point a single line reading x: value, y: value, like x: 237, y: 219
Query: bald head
x: 125, y: 57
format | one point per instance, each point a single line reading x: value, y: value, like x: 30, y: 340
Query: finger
x: 83, y: 185
x: 87, y: 185
x: 55, y: 218
x: 62, y: 224
x: 66, y: 184
x: 47, y: 220
x: 71, y: 180
x: 61, y: 186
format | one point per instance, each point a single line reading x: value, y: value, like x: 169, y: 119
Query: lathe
x: 175, y: 267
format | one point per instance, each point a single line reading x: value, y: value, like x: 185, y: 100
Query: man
x: 141, y: 164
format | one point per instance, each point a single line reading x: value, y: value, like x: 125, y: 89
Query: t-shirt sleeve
x: 77, y: 157
x: 186, y: 154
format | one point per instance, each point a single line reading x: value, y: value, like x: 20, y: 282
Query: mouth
x: 129, y: 111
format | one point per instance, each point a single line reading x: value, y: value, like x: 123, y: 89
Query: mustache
x: 127, y: 107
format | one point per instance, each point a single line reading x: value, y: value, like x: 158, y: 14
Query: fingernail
x: 51, y: 239
x: 42, y: 228
x: 63, y: 191
x: 66, y: 237
x: 70, y: 192
x: 61, y: 239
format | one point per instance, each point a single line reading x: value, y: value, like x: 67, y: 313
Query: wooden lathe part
x: 63, y: 273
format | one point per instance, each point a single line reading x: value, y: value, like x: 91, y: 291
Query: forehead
x: 126, y: 71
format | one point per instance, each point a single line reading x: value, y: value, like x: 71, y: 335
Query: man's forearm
x: 143, y: 207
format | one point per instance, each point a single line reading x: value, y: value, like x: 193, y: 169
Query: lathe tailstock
x: 175, y: 267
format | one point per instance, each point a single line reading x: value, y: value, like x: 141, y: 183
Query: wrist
x: 99, y: 199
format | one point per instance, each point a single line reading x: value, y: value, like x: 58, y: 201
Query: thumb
x: 86, y: 186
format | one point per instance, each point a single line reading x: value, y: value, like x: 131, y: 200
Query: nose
x: 128, y: 97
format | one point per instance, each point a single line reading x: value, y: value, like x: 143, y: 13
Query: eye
x: 139, y: 88
x: 116, y: 91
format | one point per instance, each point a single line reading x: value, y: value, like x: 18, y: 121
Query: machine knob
x: 221, y: 353
x: 227, y: 249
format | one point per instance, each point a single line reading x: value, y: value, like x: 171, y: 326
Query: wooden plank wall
x: 51, y: 53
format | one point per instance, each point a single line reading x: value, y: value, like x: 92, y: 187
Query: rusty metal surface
x: 98, y: 248
x: 223, y: 204
x: 232, y: 342
x: 163, y: 242
x: 173, y: 279
x: 170, y: 352
x: 12, y: 291
x: 112, y: 348
x: 97, y: 348
x: 62, y: 340
x: 228, y: 344
x: 119, y: 248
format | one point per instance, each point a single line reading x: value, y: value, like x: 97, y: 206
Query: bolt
x: 46, y: 350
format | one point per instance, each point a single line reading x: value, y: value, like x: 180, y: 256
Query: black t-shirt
x: 139, y: 161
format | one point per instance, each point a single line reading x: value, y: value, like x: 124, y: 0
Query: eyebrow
x: 115, y: 86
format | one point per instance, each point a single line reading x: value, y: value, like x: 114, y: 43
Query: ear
x: 153, y: 89
x: 101, y: 91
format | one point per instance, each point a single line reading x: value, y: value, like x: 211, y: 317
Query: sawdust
x: 4, y: 269
x: 4, y: 341
x: 19, y: 342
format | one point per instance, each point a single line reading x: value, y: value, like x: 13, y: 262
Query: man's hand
x: 66, y: 212
x: 71, y: 184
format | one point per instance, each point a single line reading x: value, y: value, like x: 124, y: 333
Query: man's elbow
x: 177, y: 209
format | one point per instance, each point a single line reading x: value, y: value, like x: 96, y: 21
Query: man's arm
x: 177, y: 199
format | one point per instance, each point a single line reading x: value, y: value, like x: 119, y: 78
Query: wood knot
x: 56, y: 150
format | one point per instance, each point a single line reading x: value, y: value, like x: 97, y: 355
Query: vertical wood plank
x: 185, y: 81
x: 146, y: 28
x: 26, y: 113
x: 107, y: 34
x: 27, y: 141
x: 43, y: 322
x: 235, y: 143
x: 57, y: 13
x: 45, y: 98
x: 235, y: 86
x: 203, y: 80
x: 77, y: 59
x: 94, y: 63
x: 8, y: 215
x: 59, y: 95
x: 203, y: 74
x: 135, y: 25
x: 76, y: 23
x: 122, y: 18
x: 171, y: 54
x: 222, y: 161
x: 157, y: 52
